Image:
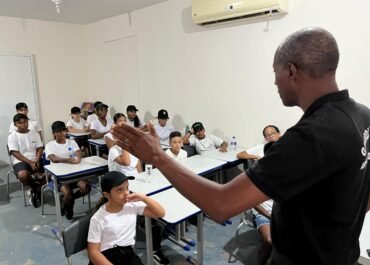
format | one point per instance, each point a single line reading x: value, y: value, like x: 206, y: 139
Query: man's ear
x: 292, y: 70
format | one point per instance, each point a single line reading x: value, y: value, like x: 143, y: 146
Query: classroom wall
x: 223, y: 75
x: 60, y: 63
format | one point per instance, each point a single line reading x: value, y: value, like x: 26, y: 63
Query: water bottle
x: 71, y: 151
x: 233, y: 144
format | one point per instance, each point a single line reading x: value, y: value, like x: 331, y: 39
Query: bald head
x: 313, y: 50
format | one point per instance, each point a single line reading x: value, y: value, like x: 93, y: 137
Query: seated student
x: 132, y: 117
x: 118, y: 118
x: 22, y: 107
x: 26, y: 148
x: 103, y: 124
x: 163, y: 129
x: 176, y: 143
x: 112, y: 228
x: 92, y: 117
x: 271, y: 133
x: 203, y: 142
x: 63, y: 150
x: 77, y: 124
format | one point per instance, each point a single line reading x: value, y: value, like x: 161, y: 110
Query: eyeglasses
x: 270, y: 134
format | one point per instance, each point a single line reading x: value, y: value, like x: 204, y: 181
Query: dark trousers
x: 121, y: 255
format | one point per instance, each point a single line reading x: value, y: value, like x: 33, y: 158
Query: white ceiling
x: 71, y: 11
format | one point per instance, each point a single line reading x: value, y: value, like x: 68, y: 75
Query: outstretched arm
x: 221, y: 202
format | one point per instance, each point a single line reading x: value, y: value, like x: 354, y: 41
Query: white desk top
x: 177, y: 207
x: 365, y: 237
x: 200, y: 164
x: 100, y: 141
x: 78, y: 134
x: 229, y: 156
x: 156, y: 184
x: 87, y: 164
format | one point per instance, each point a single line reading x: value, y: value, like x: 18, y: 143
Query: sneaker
x: 160, y: 257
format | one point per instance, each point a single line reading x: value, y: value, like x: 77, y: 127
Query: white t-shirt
x: 111, y: 229
x: 109, y: 135
x: 77, y: 125
x: 209, y: 142
x: 32, y: 126
x: 164, y: 132
x: 182, y: 154
x: 91, y: 118
x: 99, y: 127
x: 131, y: 123
x: 61, y: 150
x: 24, y: 143
x: 130, y: 170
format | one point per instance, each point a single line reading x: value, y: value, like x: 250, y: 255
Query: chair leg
x: 42, y: 198
x: 7, y: 184
x: 235, y: 239
x: 89, y: 200
x: 69, y: 261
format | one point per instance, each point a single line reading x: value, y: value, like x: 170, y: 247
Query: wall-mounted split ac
x: 206, y: 12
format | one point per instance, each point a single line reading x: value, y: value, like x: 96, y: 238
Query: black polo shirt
x: 318, y: 176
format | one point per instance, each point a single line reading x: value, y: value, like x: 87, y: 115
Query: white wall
x: 223, y: 75
x: 59, y: 51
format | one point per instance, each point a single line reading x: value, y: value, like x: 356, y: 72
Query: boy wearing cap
x: 63, y: 150
x: 203, y: 142
x: 132, y: 118
x: 163, y: 129
x: 22, y: 108
x: 77, y: 124
x: 176, y: 143
x: 103, y: 124
x: 26, y: 148
x: 112, y: 228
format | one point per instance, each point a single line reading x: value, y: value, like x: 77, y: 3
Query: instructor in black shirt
x: 317, y: 173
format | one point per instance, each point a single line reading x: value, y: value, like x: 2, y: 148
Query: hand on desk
x: 223, y: 149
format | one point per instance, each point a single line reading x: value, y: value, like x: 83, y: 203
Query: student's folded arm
x: 74, y: 130
x: 124, y: 159
x: 153, y: 209
x: 20, y: 157
x: 96, y: 135
x: 262, y: 211
x: 223, y: 201
x: 245, y: 155
x: 95, y: 256
x: 56, y: 159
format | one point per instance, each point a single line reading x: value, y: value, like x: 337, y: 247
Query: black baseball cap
x: 131, y: 108
x: 197, y: 126
x: 21, y: 105
x: 75, y: 110
x: 101, y: 106
x: 163, y: 114
x: 113, y: 179
x: 19, y: 116
x: 58, y: 126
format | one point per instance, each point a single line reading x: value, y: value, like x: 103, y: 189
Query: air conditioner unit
x: 215, y: 11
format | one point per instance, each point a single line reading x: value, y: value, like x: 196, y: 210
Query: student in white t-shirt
x: 26, y: 149
x: 22, y: 107
x: 112, y: 228
x: 103, y: 124
x: 176, y: 143
x: 271, y: 133
x: 63, y: 150
x: 203, y: 142
x: 162, y: 128
x: 92, y: 117
x: 119, y: 159
x: 118, y: 118
x: 77, y: 124
x: 132, y: 118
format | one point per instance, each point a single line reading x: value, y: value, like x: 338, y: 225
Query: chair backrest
x: 189, y: 149
x: 75, y: 236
